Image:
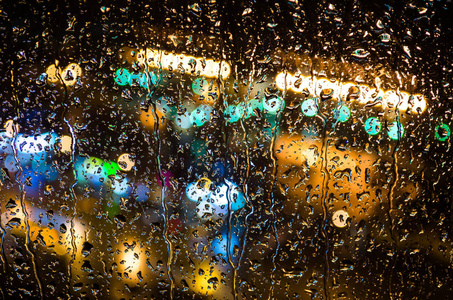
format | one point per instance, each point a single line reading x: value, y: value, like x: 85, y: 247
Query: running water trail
x: 74, y: 200
x: 391, y: 200
x: 247, y: 174
x: 162, y: 180
x: 274, y: 184
x: 324, y: 191
x: 25, y: 212
x: 2, y: 255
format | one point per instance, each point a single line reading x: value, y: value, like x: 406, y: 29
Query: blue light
x: 220, y: 245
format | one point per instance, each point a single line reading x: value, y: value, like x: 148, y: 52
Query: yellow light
x: 365, y: 94
x: 125, y: 162
x: 52, y: 73
x: 71, y: 73
x: 197, y: 65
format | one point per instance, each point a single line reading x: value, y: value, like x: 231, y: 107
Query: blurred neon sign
x: 199, y: 66
x: 351, y: 91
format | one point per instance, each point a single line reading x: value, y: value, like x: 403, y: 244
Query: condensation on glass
x: 226, y: 150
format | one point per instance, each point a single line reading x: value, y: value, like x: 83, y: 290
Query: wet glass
x: 226, y: 150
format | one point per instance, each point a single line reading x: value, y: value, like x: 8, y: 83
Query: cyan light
x: 234, y: 112
x: 122, y: 77
x: 144, y: 79
x: 200, y: 86
x: 343, y: 114
x: 135, y: 79
x: 372, y: 126
x: 309, y: 107
x: 251, y: 106
x: 273, y: 105
x: 395, y: 130
x: 201, y: 115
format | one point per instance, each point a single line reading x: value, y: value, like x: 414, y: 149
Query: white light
x: 66, y: 144
x: 340, y: 218
x: 197, y: 65
x: 367, y: 94
x: 199, y: 190
x: 35, y: 143
x: 11, y: 129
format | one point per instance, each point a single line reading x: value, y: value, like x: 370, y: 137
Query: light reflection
x: 198, y: 66
x: 349, y: 91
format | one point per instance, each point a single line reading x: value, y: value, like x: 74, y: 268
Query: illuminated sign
x: 198, y: 66
x: 350, y: 91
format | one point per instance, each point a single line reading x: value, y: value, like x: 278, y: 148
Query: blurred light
x: 219, y: 244
x: 71, y: 73
x: 199, y: 190
x: 228, y: 193
x: 122, y: 77
x: 199, y: 86
x: 188, y: 64
x: 234, y: 112
x: 35, y: 143
x: 365, y: 94
x: 52, y: 73
x: 273, y: 105
x: 342, y: 114
x: 120, y: 186
x: 340, y: 218
x: 125, y: 162
x: 200, y: 115
x: 442, y: 132
x: 395, y: 130
x: 251, y: 106
x: 10, y: 163
x: 183, y: 121
x: 5, y: 143
x: 309, y: 107
x: 372, y: 126
x: 11, y: 129
x: 66, y: 144
x: 141, y: 192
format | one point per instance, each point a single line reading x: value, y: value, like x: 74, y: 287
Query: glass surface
x: 226, y: 150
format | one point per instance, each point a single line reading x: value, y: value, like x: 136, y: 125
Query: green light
x: 251, y: 106
x: 200, y: 115
x: 372, y: 126
x: 111, y: 168
x: 309, y: 107
x: 442, y: 132
x: 342, y: 114
x: 122, y: 77
x: 273, y: 105
x: 233, y: 113
x: 395, y: 131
